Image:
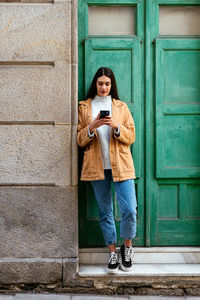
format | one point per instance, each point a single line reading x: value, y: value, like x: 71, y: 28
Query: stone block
x: 74, y: 157
x: 38, y: 221
x: 70, y: 269
x: 36, y: 93
x: 35, y: 154
x: 74, y: 102
x: 30, y: 271
x: 35, y: 32
x: 35, y: 74
x: 160, y: 292
x: 74, y: 31
x: 194, y: 291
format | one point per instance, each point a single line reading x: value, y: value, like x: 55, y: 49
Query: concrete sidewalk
x: 34, y: 296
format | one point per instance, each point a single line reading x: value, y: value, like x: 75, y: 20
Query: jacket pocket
x: 125, y: 159
x: 124, y: 148
x: 88, y: 161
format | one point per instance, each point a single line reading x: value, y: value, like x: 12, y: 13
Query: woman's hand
x: 96, y: 123
x: 108, y: 120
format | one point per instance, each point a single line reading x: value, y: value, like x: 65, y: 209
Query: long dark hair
x: 100, y: 72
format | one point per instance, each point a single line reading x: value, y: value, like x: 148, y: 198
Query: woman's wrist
x: 116, y: 126
x: 90, y: 134
x: 117, y: 130
x: 91, y: 128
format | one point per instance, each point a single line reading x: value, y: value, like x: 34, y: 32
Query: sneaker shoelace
x: 128, y: 253
x: 113, y: 258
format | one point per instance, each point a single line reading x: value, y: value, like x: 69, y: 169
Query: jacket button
x: 114, y: 163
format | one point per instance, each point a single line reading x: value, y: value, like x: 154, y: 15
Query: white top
x: 104, y: 132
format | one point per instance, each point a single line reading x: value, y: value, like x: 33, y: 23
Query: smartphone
x: 104, y: 113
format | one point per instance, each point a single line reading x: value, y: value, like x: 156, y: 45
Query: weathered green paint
x: 149, y: 121
x: 161, y: 87
x: 127, y: 52
x: 123, y: 55
x: 177, y: 108
x: 174, y: 125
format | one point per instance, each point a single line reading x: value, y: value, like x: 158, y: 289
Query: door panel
x: 177, y: 108
x: 177, y: 208
x: 124, y: 58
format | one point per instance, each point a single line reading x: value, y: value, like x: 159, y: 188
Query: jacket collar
x: 89, y: 100
x: 87, y: 103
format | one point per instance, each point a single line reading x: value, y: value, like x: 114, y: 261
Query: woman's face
x: 103, y: 86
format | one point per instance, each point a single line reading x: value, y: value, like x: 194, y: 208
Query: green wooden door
x: 123, y: 56
x: 177, y: 130
x: 158, y: 77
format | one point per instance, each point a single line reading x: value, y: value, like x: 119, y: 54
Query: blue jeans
x: 126, y: 197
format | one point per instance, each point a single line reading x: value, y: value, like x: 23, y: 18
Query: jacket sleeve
x: 82, y: 132
x: 127, y: 129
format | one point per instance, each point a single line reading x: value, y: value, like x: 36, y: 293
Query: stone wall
x: 111, y: 285
x: 38, y: 157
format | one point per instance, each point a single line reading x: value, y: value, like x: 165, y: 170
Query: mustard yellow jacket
x: 120, y: 155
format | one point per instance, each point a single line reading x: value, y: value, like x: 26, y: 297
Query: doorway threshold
x: 152, y: 261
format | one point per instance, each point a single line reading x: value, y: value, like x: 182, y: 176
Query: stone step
x: 151, y: 255
x: 144, y: 270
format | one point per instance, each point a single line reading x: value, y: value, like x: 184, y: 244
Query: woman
x: 107, y: 158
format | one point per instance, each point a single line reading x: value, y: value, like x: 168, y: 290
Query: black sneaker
x: 113, y: 263
x: 126, y: 257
